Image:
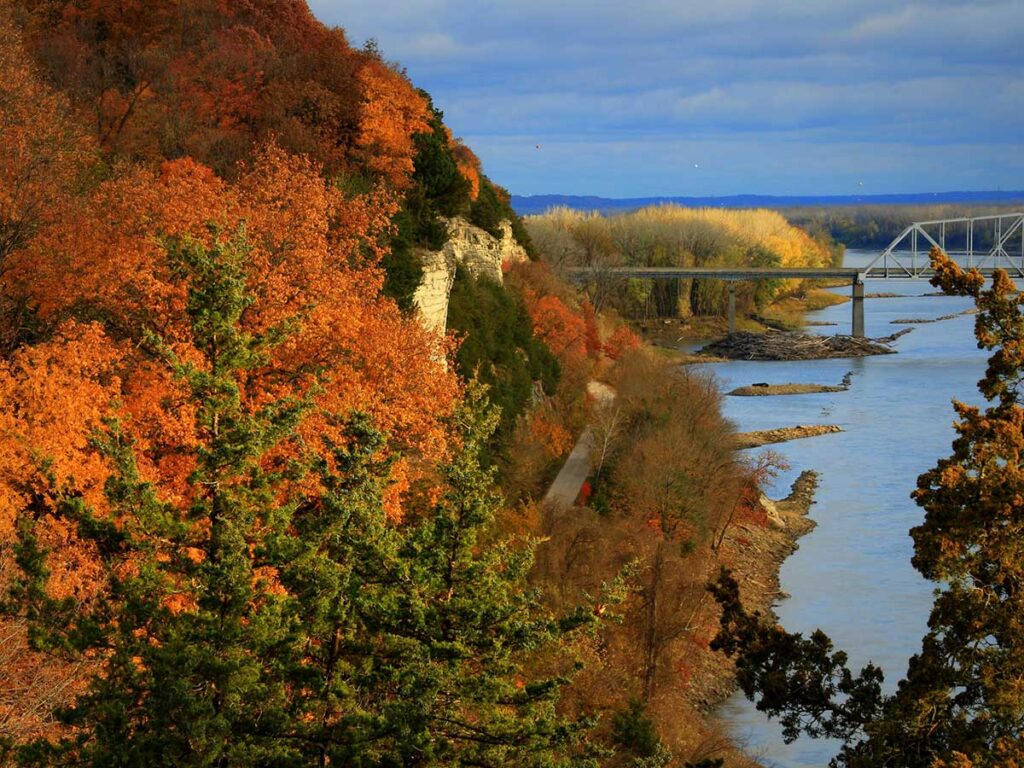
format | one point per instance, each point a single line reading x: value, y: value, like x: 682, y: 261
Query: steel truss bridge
x: 1001, y: 236
x: 985, y: 243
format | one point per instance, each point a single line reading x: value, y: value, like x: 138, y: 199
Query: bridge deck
x: 852, y: 274
x: 716, y: 273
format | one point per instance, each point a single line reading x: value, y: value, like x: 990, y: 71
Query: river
x: 852, y: 576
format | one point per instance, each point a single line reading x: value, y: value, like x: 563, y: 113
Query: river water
x: 852, y: 576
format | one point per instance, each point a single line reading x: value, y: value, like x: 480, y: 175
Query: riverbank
x: 666, y: 423
x: 754, y: 553
x: 785, y: 314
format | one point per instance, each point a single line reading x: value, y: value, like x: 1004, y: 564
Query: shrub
x: 634, y: 730
x: 498, y: 346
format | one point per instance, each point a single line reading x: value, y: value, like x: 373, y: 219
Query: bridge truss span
x: 985, y: 243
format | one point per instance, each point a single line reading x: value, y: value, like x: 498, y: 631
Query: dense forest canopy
x: 212, y: 80
x: 215, y: 81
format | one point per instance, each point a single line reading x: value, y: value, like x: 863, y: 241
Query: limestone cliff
x: 479, y: 252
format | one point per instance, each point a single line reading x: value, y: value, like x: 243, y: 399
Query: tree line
x: 670, y: 235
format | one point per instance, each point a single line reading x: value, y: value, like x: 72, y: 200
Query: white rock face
x: 772, y: 511
x: 476, y: 250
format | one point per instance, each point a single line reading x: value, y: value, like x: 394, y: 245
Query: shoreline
x: 755, y: 554
x: 754, y: 550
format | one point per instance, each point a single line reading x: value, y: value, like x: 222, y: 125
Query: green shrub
x: 498, y: 346
x: 634, y: 730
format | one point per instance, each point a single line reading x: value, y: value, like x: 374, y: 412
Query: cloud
x: 912, y: 91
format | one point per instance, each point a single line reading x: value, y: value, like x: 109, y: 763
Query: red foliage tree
x: 621, y: 341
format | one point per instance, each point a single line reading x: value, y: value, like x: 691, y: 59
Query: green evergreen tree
x: 436, y: 170
x: 961, y: 704
x: 478, y: 624
x: 184, y: 625
x: 499, y: 347
x: 403, y: 268
x: 420, y: 637
x: 252, y: 626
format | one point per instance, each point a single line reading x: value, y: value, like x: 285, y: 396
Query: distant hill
x: 530, y: 204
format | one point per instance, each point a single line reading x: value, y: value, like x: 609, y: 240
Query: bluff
x: 479, y: 252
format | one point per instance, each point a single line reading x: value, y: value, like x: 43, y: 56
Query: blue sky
x: 679, y: 97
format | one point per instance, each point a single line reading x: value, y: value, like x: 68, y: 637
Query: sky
x: 717, y: 97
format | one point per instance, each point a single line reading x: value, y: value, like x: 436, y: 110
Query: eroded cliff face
x: 478, y: 251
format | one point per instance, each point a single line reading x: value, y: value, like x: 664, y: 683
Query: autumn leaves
x: 88, y: 277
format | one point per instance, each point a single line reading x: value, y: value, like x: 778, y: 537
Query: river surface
x: 852, y: 576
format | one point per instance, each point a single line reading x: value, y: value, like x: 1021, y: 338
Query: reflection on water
x: 852, y: 575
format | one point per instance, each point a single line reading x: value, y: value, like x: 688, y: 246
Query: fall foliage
x: 308, y: 264
x: 254, y: 619
x: 214, y: 80
x: 670, y: 235
x: 667, y: 488
x: 392, y: 113
x: 45, y: 151
x: 247, y: 503
x: 87, y: 279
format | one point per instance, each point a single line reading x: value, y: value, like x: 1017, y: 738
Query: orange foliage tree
x: 392, y: 112
x: 213, y: 80
x: 621, y: 341
x: 43, y: 157
x: 313, y: 254
x: 101, y: 282
x: 469, y: 166
x: 563, y: 330
x: 41, y: 149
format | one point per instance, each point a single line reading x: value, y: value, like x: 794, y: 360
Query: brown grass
x: 788, y: 312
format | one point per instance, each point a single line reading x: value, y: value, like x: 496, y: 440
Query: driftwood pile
x: 744, y: 345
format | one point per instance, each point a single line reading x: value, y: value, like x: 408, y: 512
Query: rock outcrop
x: 478, y: 251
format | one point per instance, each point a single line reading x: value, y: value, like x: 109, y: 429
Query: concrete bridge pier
x: 858, y: 307
x: 732, y: 306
